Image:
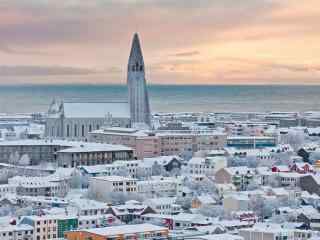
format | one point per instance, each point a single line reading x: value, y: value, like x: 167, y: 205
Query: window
x: 68, y: 130
x: 82, y: 130
x: 75, y: 130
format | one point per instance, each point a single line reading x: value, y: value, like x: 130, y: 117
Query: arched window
x: 68, y: 130
x: 90, y: 128
x: 82, y: 130
x: 75, y: 130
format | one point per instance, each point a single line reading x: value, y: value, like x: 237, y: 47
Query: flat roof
x: 125, y: 229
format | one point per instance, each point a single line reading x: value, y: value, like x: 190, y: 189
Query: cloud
x: 96, y: 34
x: 43, y: 71
x: 187, y: 54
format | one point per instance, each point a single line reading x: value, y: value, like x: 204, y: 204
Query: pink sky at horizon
x: 184, y: 42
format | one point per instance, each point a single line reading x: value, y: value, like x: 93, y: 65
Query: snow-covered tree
x: 212, y: 211
x: 143, y: 173
x: 14, y: 158
x: 25, y: 160
x: 282, y: 158
x: 76, y: 179
x: 252, y: 161
x: 294, y: 138
x: 158, y: 170
x: 122, y: 172
x: 314, y: 156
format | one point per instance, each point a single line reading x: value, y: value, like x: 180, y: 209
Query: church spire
x: 137, y: 87
x: 136, y: 57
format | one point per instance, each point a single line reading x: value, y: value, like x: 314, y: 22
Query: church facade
x: 74, y: 120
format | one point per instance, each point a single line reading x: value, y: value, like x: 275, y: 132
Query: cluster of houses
x: 193, y: 176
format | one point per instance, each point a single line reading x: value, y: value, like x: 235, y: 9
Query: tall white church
x: 74, y: 120
x: 137, y: 87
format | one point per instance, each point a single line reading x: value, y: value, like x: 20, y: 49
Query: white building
x: 99, y: 186
x: 74, y: 120
x: 235, y: 202
x: 164, y: 205
x: 53, y: 185
x: 160, y: 186
x: 7, y: 189
x: 206, y: 166
x: 16, y: 232
x: 87, y: 207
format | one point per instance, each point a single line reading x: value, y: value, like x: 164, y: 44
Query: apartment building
x: 162, y: 142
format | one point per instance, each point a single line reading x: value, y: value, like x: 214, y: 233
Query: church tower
x: 137, y: 88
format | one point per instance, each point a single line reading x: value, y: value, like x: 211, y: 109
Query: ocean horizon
x: 28, y: 98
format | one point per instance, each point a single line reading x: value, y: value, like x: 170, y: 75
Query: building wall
x: 75, y: 159
x: 36, y: 153
x: 222, y: 176
x: 78, y: 128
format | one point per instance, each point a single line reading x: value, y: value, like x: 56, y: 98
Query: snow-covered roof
x: 96, y: 109
x: 280, y: 191
x: 291, y: 175
x: 161, y: 201
x: 224, y: 236
x: 114, y: 178
x: 15, y: 228
x: 237, y: 196
x: 206, y: 199
x: 95, y: 148
x: 242, y: 170
x: 162, y: 160
x: 87, y: 204
x: 125, y: 229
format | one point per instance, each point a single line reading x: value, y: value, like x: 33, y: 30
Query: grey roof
x: 136, y: 52
x: 96, y: 109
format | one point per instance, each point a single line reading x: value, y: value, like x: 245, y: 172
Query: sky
x: 183, y: 41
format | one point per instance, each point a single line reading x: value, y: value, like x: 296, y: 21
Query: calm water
x: 34, y: 98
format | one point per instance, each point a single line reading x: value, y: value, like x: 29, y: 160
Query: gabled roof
x: 136, y: 52
x: 206, y: 199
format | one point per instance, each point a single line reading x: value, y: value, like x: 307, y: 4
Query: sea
x: 168, y: 98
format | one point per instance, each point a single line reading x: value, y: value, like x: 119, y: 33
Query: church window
x: 90, y: 128
x: 68, y: 130
x: 75, y: 130
x: 82, y: 131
